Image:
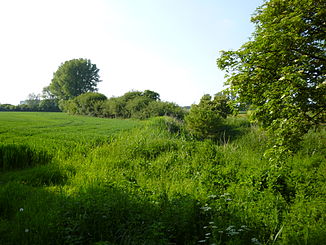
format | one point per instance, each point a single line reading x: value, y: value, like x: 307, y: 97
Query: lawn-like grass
x: 83, y: 180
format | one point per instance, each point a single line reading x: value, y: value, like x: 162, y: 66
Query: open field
x: 82, y: 180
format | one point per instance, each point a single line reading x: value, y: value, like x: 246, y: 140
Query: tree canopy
x: 281, y: 70
x: 73, y: 78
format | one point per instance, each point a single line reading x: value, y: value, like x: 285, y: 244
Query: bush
x: 203, y: 120
x: 89, y: 104
x: 159, y: 108
x: 140, y: 105
x: 114, y: 108
x: 48, y: 105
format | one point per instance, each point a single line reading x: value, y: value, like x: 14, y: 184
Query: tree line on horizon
x: 73, y: 89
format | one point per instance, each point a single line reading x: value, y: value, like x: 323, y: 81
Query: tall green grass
x: 14, y: 156
x: 151, y: 183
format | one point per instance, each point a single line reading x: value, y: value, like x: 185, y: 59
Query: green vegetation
x: 281, y: 70
x: 205, y: 119
x: 210, y: 179
x: 73, y: 78
x: 110, y: 181
x: 133, y: 104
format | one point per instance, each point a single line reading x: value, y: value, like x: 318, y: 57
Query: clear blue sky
x: 169, y: 46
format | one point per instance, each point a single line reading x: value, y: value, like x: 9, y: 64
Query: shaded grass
x: 15, y: 156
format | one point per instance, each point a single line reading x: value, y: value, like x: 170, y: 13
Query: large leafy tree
x: 281, y: 70
x: 73, y: 78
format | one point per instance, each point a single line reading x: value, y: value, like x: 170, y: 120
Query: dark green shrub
x: 48, y: 105
x: 114, y: 108
x: 203, y: 120
x: 89, y: 104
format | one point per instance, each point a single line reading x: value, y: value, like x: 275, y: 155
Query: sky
x: 168, y: 46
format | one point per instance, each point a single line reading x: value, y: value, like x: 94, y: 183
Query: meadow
x: 84, y: 180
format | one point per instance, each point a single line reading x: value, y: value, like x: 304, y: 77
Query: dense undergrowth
x: 151, y: 183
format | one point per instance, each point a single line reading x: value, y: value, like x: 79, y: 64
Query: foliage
x: 281, y: 71
x: 48, y: 105
x: 116, y: 181
x: 73, y: 78
x: 133, y: 104
x: 204, y: 120
x: 114, y: 108
x: 33, y: 102
x: 223, y: 104
x: 151, y: 94
x: 85, y: 104
x: 7, y: 107
x: 161, y: 108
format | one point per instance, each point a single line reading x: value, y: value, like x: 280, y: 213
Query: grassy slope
x: 126, y: 182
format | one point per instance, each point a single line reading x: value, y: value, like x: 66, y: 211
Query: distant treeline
x: 134, y: 104
x: 49, y: 105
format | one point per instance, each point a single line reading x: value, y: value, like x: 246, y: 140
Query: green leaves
x: 282, y: 69
x: 204, y: 119
x: 73, y: 78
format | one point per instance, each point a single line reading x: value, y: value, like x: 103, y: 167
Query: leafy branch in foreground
x: 281, y: 71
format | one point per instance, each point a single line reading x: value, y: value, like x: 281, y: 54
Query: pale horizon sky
x: 168, y: 46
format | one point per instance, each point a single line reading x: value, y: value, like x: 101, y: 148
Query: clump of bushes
x: 85, y: 104
x: 134, y: 104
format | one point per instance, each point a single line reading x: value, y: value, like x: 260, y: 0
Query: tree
x: 48, y: 105
x: 33, y: 101
x: 151, y: 94
x: 73, y: 78
x: 204, y: 119
x: 281, y: 70
x: 46, y: 93
x: 223, y: 104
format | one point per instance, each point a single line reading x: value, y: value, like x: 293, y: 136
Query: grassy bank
x: 101, y: 181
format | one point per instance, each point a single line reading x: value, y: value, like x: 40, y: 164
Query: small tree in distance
x: 204, y: 120
x: 73, y: 78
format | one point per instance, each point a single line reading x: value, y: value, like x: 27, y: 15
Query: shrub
x: 85, y: 104
x: 203, y: 120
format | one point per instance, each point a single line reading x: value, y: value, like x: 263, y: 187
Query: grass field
x: 82, y: 180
